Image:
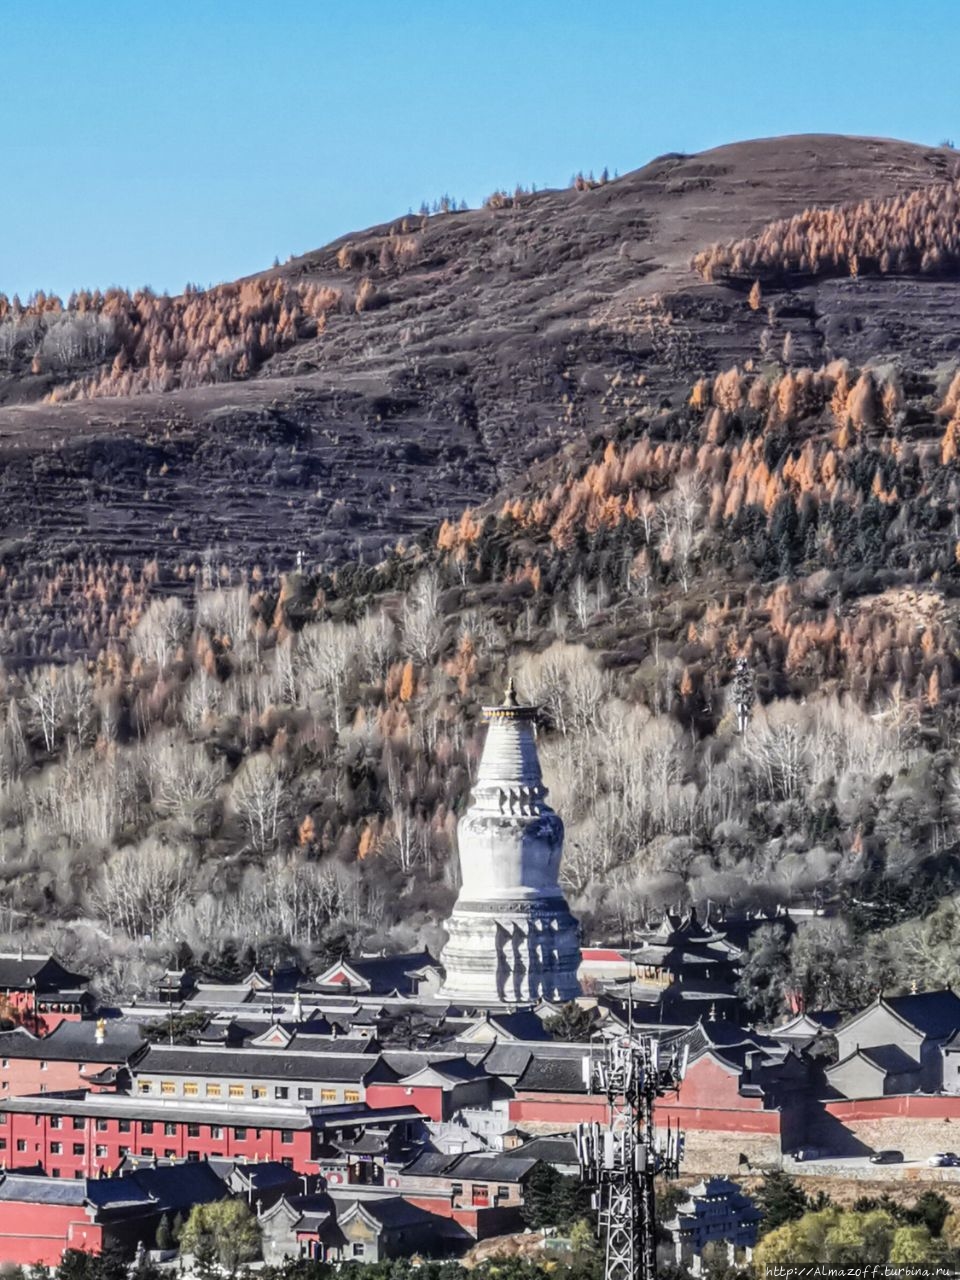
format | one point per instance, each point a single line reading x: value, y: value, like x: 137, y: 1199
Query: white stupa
x: 512, y: 939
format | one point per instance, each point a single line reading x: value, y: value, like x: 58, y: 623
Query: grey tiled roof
x: 553, y: 1075
x: 392, y: 1212
x: 495, y: 1167
x: 270, y: 1064
x: 935, y: 1013
x: 168, y: 1187
x: 429, y: 1164
x: 75, y: 1042
x: 507, y: 1059
x: 46, y: 972
x: 40, y: 1190
x: 560, y: 1148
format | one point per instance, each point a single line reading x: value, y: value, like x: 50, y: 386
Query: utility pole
x: 623, y: 1158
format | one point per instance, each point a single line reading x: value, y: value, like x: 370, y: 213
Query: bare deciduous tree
x: 142, y: 886
x: 44, y: 700
x: 323, y: 660
x: 259, y: 799
x: 162, y: 629
x: 181, y: 777
x: 421, y: 619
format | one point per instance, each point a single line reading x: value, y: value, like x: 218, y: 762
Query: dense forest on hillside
x: 122, y: 344
x: 257, y: 765
x: 917, y: 231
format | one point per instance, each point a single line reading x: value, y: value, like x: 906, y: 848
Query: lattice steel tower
x: 623, y: 1158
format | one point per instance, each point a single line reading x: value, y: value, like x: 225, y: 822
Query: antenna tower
x: 623, y: 1158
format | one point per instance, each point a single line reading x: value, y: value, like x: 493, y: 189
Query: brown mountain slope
x: 463, y: 347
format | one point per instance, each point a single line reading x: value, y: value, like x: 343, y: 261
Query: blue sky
x: 194, y: 140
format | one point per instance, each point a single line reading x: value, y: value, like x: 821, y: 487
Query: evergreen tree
x: 572, y: 1023
x: 164, y: 1235
x: 781, y: 1199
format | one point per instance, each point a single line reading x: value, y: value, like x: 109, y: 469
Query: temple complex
x: 512, y: 939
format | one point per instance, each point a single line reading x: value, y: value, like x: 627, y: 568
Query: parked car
x: 941, y: 1158
x: 887, y: 1156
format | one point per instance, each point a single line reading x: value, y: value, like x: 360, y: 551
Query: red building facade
x: 74, y: 1136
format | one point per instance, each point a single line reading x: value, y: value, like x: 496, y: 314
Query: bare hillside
x: 460, y: 349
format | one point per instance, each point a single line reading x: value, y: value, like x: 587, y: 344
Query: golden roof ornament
x: 511, y: 708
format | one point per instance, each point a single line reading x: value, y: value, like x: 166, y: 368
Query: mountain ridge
x: 506, y: 334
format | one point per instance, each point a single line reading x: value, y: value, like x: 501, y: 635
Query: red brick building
x: 438, y: 1089
x: 40, y: 992
x: 40, y: 1217
x: 482, y: 1191
x: 75, y: 1055
x: 77, y: 1135
x: 736, y: 1083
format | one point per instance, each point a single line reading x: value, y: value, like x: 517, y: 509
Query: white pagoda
x: 512, y: 939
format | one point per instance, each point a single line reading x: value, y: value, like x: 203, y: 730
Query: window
x: 78, y: 1122
x: 3, y: 1144
x: 212, y: 1090
x: 216, y: 1131
x: 124, y: 1126
x: 193, y: 1131
x: 328, y: 1095
x: 146, y: 1126
x: 193, y: 1155
x: 55, y: 1122
x: 358, y: 1250
x: 169, y: 1154
x: 144, y: 1086
x: 503, y: 1191
x: 146, y: 1151
x: 100, y: 1151
x: 287, y: 1162
x: 190, y: 1089
x: 124, y: 1151
x: 54, y: 1173
x: 168, y: 1087
x: 281, y: 1091
x: 101, y: 1126
x: 79, y: 1149
x: 43, y: 1066
x: 56, y: 1148
x: 457, y: 1189
x: 240, y: 1135
x: 169, y: 1130
x: 305, y: 1095
x: 5, y: 1062
x: 286, y: 1136
x: 351, y: 1095
x: 21, y: 1144
x: 235, y: 1091
x: 258, y: 1091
